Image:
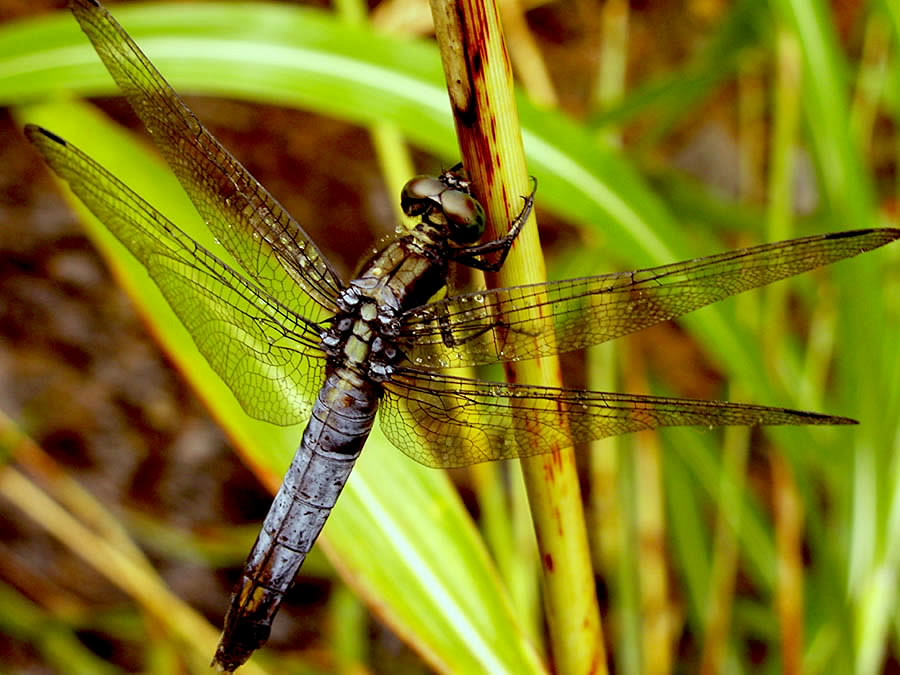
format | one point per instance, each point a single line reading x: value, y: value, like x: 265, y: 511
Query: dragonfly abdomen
x: 341, y: 421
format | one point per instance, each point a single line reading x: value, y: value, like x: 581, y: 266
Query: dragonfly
x: 296, y: 343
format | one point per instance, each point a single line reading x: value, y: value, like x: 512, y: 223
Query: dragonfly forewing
x: 525, y: 322
x: 249, y: 222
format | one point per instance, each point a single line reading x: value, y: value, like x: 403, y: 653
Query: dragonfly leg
x: 451, y: 340
x: 473, y: 256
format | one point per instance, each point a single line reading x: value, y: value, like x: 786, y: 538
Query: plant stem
x: 479, y: 77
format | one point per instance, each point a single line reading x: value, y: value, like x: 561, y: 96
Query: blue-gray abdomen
x: 341, y: 421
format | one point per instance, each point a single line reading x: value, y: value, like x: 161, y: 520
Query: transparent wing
x: 509, y: 324
x: 266, y: 354
x: 445, y: 421
x: 263, y: 238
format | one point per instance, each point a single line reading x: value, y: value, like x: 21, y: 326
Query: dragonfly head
x: 458, y: 211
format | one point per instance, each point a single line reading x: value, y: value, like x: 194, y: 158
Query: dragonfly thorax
x: 362, y: 335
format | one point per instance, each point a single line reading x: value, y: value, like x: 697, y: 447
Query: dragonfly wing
x: 445, y: 421
x: 523, y: 322
x: 266, y: 354
x: 265, y: 240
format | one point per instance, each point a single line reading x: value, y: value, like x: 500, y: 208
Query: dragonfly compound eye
x: 420, y: 194
x: 465, y: 216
